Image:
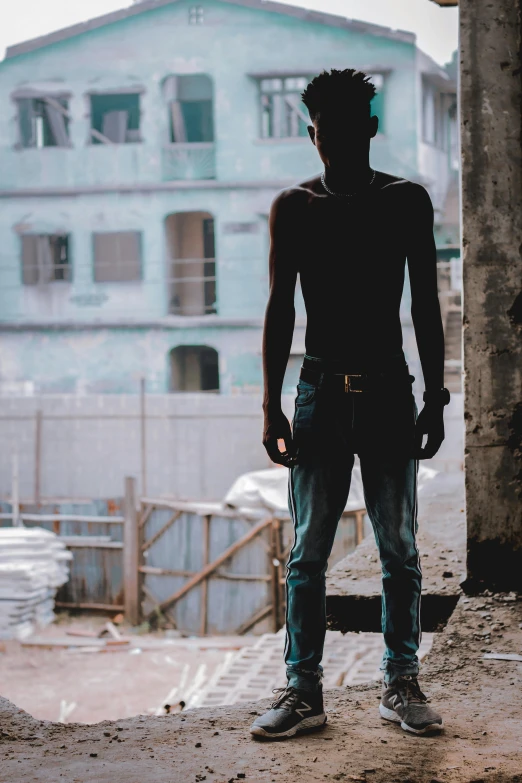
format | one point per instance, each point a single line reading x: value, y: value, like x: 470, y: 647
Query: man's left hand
x: 430, y: 422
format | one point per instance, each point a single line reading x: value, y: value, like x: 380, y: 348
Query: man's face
x: 342, y: 137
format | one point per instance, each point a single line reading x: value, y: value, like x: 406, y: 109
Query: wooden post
x: 131, y: 554
x: 359, y: 526
x: 204, y: 586
x: 274, y: 553
x: 15, y: 493
x: 37, y: 457
x: 143, y: 439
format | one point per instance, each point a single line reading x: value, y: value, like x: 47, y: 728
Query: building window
x: 45, y: 258
x: 117, y: 257
x: 43, y: 122
x: 377, y: 103
x: 190, y: 103
x: 192, y: 263
x: 196, y: 14
x: 194, y: 368
x: 435, y: 114
x: 115, y: 118
x: 283, y: 114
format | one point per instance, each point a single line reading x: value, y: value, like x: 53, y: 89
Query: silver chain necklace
x: 343, y: 195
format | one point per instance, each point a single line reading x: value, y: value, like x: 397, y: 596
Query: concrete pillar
x: 491, y: 120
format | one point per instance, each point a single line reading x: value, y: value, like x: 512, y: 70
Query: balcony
x: 189, y: 160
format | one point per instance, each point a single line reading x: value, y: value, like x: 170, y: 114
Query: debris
x: 65, y: 710
x: 74, y: 641
x: 110, y: 628
x: 503, y: 656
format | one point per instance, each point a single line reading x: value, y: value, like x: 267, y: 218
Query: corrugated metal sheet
x: 230, y: 603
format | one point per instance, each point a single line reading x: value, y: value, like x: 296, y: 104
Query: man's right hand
x: 277, y: 427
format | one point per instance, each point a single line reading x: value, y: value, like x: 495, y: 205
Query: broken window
x: 117, y: 257
x: 192, y: 280
x: 43, y: 121
x: 282, y: 112
x: 194, y: 368
x: 189, y: 99
x: 45, y: 258
x: 115, y: 118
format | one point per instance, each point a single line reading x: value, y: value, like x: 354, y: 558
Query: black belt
x: 358, y: 382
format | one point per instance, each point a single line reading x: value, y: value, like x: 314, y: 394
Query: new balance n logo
x: 306, y: 708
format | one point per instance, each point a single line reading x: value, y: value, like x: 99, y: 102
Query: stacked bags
x: 34, y: 563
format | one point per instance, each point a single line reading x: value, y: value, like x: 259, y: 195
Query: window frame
x: 134, y: 281
x: 284, y: 110
x: 94, y: 133
x: 440, y: 114
x: 55, y: 100
x: 67, y: 267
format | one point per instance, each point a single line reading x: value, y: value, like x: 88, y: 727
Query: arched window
x: 194, y: 368
x: 189, y: 99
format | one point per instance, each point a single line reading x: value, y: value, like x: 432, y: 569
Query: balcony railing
x: 189, y: 160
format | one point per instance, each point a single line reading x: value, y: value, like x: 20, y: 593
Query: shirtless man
x: 348, y: 234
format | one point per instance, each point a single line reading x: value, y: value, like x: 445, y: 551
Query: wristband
x: 440, y: 396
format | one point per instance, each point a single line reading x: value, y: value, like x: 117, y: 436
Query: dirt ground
x: 479, y: 698
x: 82, y: 686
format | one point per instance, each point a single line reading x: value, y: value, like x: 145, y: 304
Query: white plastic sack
x: 269, y: 489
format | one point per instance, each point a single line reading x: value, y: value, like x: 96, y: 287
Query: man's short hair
x: 338, y: 91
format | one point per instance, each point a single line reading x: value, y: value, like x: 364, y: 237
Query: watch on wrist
x: 438, y: 396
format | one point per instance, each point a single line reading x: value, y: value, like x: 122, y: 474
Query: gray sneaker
x: 403, y: 702
x: 293, y: 712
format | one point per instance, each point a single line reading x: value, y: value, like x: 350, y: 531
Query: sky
x: 436, y: 28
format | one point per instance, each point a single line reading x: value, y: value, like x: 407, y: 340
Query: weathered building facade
x: 139, y: 155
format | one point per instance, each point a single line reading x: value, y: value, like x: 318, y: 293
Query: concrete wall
x: 196, y: 444
x: 491, y: 89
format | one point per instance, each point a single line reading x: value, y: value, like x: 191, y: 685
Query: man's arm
x: 427, y: 321
x: 279, y: 322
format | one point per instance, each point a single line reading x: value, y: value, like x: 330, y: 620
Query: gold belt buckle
x: 347, y: 386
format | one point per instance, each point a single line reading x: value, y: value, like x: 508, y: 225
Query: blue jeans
x: 329, y: 426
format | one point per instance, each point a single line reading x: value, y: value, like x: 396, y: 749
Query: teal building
x: 139, y: 155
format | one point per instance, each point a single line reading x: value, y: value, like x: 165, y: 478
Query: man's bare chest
x: 360, y: 232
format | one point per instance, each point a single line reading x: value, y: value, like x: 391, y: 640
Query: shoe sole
x: 307, y: 724
x: 391, y: 715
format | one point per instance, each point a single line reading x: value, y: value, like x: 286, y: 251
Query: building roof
x: 303, y: 14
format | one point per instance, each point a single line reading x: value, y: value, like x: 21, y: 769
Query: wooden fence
x: 206, y: 567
